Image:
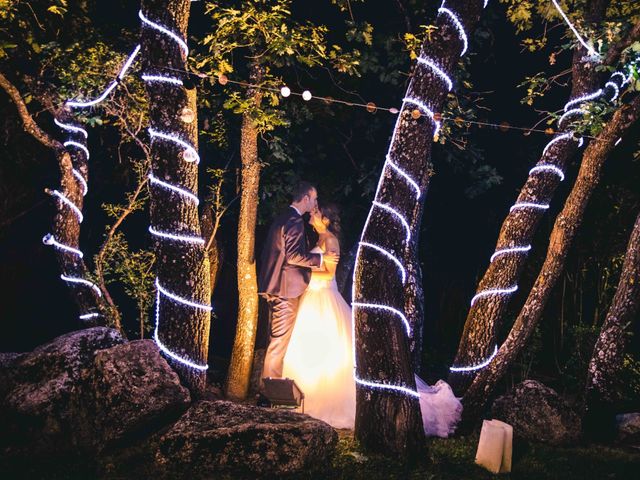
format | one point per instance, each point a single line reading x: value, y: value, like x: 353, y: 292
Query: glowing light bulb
x: 285, y: 91
x: 306, y: 95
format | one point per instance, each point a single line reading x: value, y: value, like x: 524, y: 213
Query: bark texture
x: 478, y: 338
x: 387, y: 420
x: 243, y: 346
x: 182, y: 267
x: 564, y: 230
x: 66, y: 224
x: 608, y: 353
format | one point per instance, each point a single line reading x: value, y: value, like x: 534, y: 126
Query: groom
x: 285, y: 271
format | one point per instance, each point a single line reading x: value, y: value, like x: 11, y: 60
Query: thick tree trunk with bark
x: 608, y: 353
x: 182, y: 266
x: 243, y: 346
x: 478, y: 339
x: 564, y: 230
x: 66, y: 224
x: 388, y: 419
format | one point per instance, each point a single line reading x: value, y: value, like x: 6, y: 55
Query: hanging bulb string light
x: 392, y: 165
x: 371, y: 107
x: 190, y: 155
x: 572, y: 108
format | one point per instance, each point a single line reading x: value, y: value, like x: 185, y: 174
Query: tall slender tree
x: 388, y: 415
x: 182, y: 266
x: 608, y: 354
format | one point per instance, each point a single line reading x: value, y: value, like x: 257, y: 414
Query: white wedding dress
x: 320, y: 360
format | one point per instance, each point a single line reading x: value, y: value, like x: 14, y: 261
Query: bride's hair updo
x: 332, y: 212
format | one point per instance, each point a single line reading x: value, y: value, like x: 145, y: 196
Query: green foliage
x: 26, y: 22
x: 268, y: 38
x: 133, y: 270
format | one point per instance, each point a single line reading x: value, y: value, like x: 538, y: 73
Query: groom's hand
x: 332, y: 257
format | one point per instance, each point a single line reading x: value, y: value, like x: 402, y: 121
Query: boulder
x: 538, y: 413
x: 628, y: 428
x: 220, y: 436
x: 8, y: 368
x: 131, y: 392
x: 39, y: 411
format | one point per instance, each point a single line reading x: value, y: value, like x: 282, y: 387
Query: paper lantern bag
x: 495, y: 446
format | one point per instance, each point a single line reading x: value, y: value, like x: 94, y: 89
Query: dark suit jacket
x: 285, y: 264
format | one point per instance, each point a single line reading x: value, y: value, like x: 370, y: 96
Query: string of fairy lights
x: 190, y: 155
x: 392, y: 167
x: 572, y: 109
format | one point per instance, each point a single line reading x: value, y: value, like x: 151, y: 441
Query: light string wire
x: 189, y: 154
x: 587, y: 46
x: 391, y: 167
x: 72, y: 130
x: 370, y: 107
x: 572, y: 108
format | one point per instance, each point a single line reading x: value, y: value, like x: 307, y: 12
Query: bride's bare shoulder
x: 332, y: 243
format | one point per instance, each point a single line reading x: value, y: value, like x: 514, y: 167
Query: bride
x: 320, y: 359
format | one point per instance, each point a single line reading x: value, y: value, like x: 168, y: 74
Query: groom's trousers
x: 282, y: 317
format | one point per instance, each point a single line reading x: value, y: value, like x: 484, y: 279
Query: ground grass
x: 449, y: 459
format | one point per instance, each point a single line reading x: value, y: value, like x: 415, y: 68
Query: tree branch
x: 30, y: 125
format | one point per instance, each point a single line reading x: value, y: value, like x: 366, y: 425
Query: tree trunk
x: 183, y: 290
x: 414, y: 308
x: 65, y: 236
x: 214, y: 252
x: 241, y: 363
x: 388, y: 414
x: 478, y: 340
x: 608, y: 354
x: 562, y: 235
